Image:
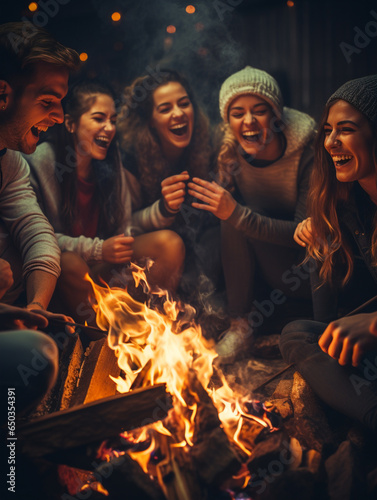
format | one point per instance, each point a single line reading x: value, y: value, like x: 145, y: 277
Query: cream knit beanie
x: 250, y: 81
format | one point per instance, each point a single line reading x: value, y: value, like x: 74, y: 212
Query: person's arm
x: 12, y: 317
x: 246, y: 220
x: 221, y: 203
x: 161, y: 213
x: 6, y: 277
x: 30, y: 230
x: 39, y: 289
x: 138, y: 218
x: 88, y: 248
x: 151, y: 218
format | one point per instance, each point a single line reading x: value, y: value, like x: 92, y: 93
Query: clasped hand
x: 304, y: 233
x: 17, y: 318
x: 349, y: 339
x: 173, y: 190
x: 215, y: 198
x: 118, y: 249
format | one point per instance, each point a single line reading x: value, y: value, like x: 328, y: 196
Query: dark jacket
x: 356, y: 219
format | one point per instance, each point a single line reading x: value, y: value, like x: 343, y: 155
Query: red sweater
x: 87, y: 210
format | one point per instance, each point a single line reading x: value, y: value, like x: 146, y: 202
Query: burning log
x: 296, y: 484
x: 94, y: 383
x: 175, y: 473
x: 123, y: 478
x: 94, y: 421
x: 277, y: 448
x: 211, y: 453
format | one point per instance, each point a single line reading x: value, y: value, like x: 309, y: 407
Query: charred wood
x: 98, y: 420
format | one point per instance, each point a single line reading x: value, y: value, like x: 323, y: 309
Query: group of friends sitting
x: 264, y: 197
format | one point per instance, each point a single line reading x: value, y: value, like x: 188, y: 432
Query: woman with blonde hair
x: 340, y: 237
x: 260, y: 196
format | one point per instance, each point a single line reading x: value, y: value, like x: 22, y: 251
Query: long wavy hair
x: 228, y: 155
x: 139, y: 139
x: 106, y: 173
x: 326, y: 197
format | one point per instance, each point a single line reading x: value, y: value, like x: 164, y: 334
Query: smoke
x: 202, y: 46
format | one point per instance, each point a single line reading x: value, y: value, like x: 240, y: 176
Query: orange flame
x: 163, y: 347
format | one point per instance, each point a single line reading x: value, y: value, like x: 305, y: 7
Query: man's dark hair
x: 22, y: 45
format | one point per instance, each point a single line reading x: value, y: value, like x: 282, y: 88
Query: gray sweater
x: 45, y: 179
x: 275, y: 196
x: 29, y: 229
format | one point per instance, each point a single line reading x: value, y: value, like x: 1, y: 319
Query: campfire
x: 144, y: 412
x: 161, y: 343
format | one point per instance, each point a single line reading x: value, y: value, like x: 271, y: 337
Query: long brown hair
x: 106, y: 173
x: 138, y: 138
x: 326, y: 197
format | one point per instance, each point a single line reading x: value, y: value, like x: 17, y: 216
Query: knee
x: 72, y: 266
x: 6, y: 277
x: 292, y: 334
x: 296, y: 335
x: 170, y: 246
x: 29, y: 362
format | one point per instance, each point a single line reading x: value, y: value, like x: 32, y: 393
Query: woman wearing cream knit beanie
x: 264, y: 165
x: 250, y: 81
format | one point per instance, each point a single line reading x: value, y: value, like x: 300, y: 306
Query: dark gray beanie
x: 362, y: 94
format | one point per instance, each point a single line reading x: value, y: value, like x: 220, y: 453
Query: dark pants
x: 251, y: 266
x: 29, y: 365
x: 351, y: 391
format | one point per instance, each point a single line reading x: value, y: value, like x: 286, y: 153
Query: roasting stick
x: 351, y: 313
x: 92, y: 329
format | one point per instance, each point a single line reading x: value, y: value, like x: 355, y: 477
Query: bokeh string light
x: 33, y: 6
x: 116, y: 16
x: 171, y: 29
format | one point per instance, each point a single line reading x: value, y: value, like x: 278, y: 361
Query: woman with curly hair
x: 264, y: 165
x: 84, y: 192
x: 340, y: 237
x: 166, y: 141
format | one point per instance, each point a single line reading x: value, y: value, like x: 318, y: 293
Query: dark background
x: 300, y: 45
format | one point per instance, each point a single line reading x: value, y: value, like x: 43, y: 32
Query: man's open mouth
x: 36, y: 130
